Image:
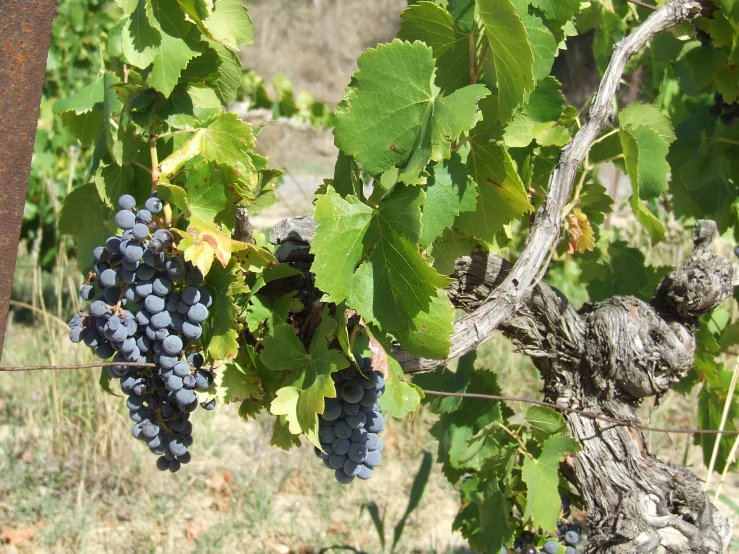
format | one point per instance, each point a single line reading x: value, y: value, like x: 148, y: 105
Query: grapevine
x: 351, y: 424
x: 150, y: 311
x: 458, y: 150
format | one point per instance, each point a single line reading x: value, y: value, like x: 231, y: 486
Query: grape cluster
x: 147, y: 306
x: 567, y: 532
x: 727, y: 112
x: 351, y: 423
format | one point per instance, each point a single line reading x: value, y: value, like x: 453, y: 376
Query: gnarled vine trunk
x: 606, y: 359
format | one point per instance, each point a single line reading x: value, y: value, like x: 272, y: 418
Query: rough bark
x: 606, y: 358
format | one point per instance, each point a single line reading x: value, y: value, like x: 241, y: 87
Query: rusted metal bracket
x: 25, y: 32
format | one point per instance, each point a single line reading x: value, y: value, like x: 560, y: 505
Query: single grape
x: 350, y: 408
x: 140, y: 232
x: 100, y: 254
x: 154, y: 304
x: 191, y: 331
x: 352, y: 391
x: 87, y: 292
x: 197, y: 313
x: 161, y: 286
x: 571, y: 537
x: 205, y: 298
x: 373, y: 441
x: 125, y: 219
x: 165, y: 237
x: 331, y: 410
x: 570, y: 550
x: 336, y: 461
x: 108, y: 278
x: 357, y: 420
x: 365, y: 472
x: 358, y: 452
x: 161, y: 320
x: 340, y: 446
x: 155, y: 247
x: 728, y: 120
x: 326, y: 434
x: 359, y: 435
x: 342, y: 430
x: 154, y: 205
x: 134, y: 252
x: 342, y: 477
x: 172, y: 345
x: 352, y: 468
x: 208, y: 405
x: 551, y: 547
x: 196, y: 359
x: 203, y: 380
x: 75, y: 334
x: 143, y: 216
x: 375, y: 422
x: 76, y: 321
x: 181, y: 368
x: 191, y: 296
x: 126, y: 202
x: 194, y: 277
x: 189, y: 381
x: 185, y: 397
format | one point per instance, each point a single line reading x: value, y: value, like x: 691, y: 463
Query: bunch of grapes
x: 727, y: 112
x: 351, y: 423
x: 147, y: 306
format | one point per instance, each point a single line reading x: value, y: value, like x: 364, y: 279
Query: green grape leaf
x: 557, y: 10
x: 401, y: 396
x: 449, y: 381
x: 543, y: 45
x: 451, y: 246
x: 433, y: 25
x: 511, y: 52
x: 385, y: 241
x: 83, y: 113
x: 542, y: 479
x: 113, y: 181
x: 236, y: 380
x: 648, y: 220
x: 302, y: 400
x: 223, y: 329
x: 230, y: 23
x: 224, y: 139
x: 127, y: 5
x: 636, y: 115
x: 546, y: 102
x: 450, y: 191
x: 281, y: 436
x: 501, y: 193
x: 140, y: 39
x: 283, y: 350
x: 645, y: 154
x: 338, y: 244
x: 394, y: 90
x: 88, y: 99
x: 519, y: 132
x: 197, y: 10
x: 495, y: 507
x: 174, y: 51
x: 83, y: 216
x: 545, y: 422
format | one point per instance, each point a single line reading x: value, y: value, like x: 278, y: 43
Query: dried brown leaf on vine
x: 581, y: 233
x: 379, y: 357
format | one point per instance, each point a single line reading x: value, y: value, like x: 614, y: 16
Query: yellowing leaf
x: 204, y: 241
x: 580, y: 232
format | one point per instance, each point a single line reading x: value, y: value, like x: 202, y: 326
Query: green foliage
x: 448, y: 136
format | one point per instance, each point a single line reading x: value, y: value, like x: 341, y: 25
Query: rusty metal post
x: 25, y: 32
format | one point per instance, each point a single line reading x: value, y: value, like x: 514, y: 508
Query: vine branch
x: 478, y: 326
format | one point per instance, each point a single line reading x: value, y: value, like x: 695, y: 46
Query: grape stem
x: 154, y: 155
